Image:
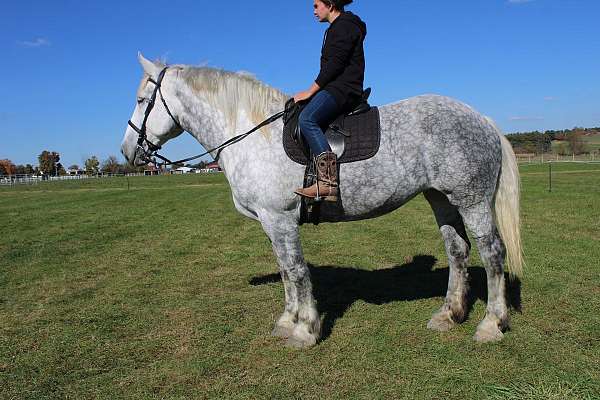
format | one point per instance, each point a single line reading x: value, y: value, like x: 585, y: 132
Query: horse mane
x: 230, y: 91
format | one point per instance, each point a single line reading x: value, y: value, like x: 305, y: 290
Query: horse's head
x: 152, y: 122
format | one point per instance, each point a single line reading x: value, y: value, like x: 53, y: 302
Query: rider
x: 337, y: 89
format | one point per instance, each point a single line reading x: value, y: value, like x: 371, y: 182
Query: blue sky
x: 69, y: 69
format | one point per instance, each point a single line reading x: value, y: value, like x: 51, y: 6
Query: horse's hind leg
x: 457, y: 248
x: 479, y: 219
x: 300, y: 323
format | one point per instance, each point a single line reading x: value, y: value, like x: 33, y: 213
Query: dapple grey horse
x: 430, y: 144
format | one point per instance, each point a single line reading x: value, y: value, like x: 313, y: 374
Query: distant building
x: 213, y: 167
x: 151, y: 170
x: 184, y: 170
x: 75, y: 171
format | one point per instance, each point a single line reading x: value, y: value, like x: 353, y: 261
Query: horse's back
x: 456, y: 146
x: 426, y: 142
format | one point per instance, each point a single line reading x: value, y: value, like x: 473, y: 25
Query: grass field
x: 165, y: 291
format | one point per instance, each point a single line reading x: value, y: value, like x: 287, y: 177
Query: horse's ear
x: 149, y: 67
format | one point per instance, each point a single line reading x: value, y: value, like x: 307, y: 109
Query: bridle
x: 150, y: 152
x: 152, y: 148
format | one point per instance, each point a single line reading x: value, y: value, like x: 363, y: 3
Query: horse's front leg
x: 300, y: 323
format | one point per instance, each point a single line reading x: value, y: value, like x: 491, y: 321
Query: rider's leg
x: 318, y: 113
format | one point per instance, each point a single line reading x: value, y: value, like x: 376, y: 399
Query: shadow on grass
x: 337, y: 288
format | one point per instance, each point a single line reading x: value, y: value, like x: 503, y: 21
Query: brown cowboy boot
x: 326, y: 179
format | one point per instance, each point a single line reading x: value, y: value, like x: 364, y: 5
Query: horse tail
x: 506, y: 203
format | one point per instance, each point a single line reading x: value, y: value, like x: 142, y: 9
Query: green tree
x: 200, y: 165
x: 173, y: 167
x: 60, y: 170
x: 531, y: 142
x: 48, y: 162
x: 91, y: 165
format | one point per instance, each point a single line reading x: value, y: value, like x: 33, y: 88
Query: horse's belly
x: 372, y: 188
x: 355, y: 212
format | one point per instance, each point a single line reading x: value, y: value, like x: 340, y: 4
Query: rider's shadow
x: 337, y: 288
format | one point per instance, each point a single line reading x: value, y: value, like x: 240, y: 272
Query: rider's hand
x: 301, y: 96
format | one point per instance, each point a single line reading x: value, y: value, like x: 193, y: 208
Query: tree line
x: 49, y: 165
x: 572, y: 141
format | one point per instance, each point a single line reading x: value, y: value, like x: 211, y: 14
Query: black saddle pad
x: 362, y: 135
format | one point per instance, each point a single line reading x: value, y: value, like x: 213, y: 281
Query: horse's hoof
x: 301, y: 338
x: 300, y: 343
x: 488, y: 332
x: 441, y: 322
x: 282, y: 331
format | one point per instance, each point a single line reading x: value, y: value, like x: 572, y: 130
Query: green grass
x: 165, y: 291
x: 592, y: 139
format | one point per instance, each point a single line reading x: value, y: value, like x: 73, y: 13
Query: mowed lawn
x: 162, y: 290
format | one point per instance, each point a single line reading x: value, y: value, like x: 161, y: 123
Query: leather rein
x: 150, y: 152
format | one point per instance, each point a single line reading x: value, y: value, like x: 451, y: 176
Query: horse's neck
x: 212, y: 128
x: 199, y: 120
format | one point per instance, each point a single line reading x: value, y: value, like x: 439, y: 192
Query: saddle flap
x: 337, y: 142
x: 359, y: 138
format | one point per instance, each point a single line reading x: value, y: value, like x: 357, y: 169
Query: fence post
x: 550, y: 176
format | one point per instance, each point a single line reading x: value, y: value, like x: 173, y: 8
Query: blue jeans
x: 314, y: 119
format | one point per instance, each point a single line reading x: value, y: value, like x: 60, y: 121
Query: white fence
x: 544, y: 158
x: 19, y: 180
x: 11, y: 180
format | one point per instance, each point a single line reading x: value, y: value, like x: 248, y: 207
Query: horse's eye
x: 140, y: 100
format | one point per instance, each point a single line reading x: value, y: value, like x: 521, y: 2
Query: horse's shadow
x: 337, y: 288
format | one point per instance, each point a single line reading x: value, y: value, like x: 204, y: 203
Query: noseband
x: 152, y: 148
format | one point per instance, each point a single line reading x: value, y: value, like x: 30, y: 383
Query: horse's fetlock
x: 458, y: 313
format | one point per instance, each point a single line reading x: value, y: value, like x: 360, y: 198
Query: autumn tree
x: 48, y: 162
x: 127, y: 168
x: 7, y: 167
x: 111, y: 165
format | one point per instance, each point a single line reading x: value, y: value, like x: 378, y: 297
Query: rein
x: 151, y: 153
